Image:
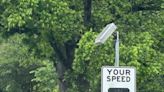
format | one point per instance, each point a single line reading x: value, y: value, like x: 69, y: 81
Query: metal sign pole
x: 117, y: 54
x: 117, y: 50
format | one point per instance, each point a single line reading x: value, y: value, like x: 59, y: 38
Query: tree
x: 138, y: 52
x: 16, y: 62
x: 45, y: 22
x: 21, y: 70
x: 45, y: 78
x: 141, y: 33
x: 52, y: 29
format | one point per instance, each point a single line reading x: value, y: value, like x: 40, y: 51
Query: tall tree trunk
x: 59, y: 59
x: 87, y: 12
x: 64, y: 53
x: 60, y: 71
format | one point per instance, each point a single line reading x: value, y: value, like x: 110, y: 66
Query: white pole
x: 117, y: 50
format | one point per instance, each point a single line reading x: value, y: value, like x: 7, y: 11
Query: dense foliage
x: 48, y: 45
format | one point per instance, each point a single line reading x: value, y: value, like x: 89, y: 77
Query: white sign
x: 123, y: 78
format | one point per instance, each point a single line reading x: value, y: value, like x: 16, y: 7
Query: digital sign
x: 118, y: 79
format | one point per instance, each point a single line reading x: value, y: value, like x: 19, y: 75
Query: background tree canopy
x: 48, y: 45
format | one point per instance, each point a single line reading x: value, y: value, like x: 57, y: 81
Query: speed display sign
x: 118, y: 79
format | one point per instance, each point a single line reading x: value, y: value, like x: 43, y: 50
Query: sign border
x: 135, y: 85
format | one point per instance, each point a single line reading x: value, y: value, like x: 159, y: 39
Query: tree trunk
x: 59, y: 59
x: 60, y: 71
x: 87, y: 12
x: 63, y: 59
